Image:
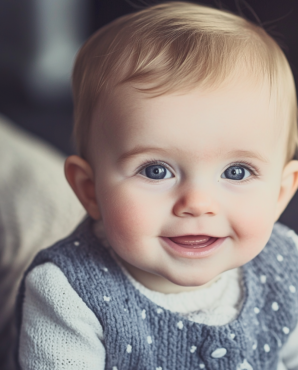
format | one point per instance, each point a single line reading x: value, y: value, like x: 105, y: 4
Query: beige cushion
x: 37, y: 207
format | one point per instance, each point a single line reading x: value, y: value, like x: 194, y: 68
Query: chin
x: 191, y: 282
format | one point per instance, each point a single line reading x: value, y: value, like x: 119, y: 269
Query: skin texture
x: 197, y: 136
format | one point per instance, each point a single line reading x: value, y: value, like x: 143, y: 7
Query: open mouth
x: 193, y: 241
x: 193, y: 246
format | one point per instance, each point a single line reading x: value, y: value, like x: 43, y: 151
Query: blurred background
x: 40, y: 38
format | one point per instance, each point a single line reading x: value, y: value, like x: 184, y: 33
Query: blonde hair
x: 175, y: 46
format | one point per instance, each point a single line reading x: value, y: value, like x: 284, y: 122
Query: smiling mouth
x: 193, y: 241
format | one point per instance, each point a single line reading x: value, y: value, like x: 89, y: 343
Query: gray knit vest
x: 140, y: 335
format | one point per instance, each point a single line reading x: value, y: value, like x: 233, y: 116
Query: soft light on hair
x: 177, y: 46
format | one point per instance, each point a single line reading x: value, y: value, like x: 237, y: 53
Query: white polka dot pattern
x: 291, y: 234
x: 275, y: 306
x: 292, y: 289
x: 244, y: 366
x: 266, y: 348
x: 286, y: 330
x: 180, y: 325
x: 76, y: 243
x: 257, y: 310
x: 279, y: 258
x: 219, y: 352
x: 106, y: 299
x: 263, y: 279
x: 193, y: 349
x: 128, y: 348
x: 149, y: 340
x: 143, y: 314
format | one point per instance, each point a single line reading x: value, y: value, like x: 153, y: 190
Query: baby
x: 185, y: 123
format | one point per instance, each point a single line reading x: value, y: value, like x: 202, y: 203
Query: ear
x: 80, y: 177
x: 288, y: 187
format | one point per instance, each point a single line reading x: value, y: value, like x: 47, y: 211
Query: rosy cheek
x: 252, y: 223
x: 128, y: 213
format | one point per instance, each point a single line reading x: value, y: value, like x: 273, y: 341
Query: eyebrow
x: 247, y: 154
x: 233, y: 153
x: 139, y: 150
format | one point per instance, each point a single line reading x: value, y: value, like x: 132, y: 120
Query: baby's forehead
x: 207, y: 121
x: 245, y: 95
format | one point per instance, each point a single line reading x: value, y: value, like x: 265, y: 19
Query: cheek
x: 252, y: 219
x: 253, y: 208
x: 128, y: 214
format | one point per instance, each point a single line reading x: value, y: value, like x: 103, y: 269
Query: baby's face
x: 204, y: 164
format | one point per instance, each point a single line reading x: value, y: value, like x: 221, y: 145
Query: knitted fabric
x: 139, y: 335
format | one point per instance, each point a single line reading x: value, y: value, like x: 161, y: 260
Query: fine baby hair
x: 177, y: 46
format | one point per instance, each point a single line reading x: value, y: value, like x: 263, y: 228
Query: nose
x: 194, y: 202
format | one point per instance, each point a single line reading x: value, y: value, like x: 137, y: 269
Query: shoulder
x: 281, y: 250
x: 285, y: 232
x: 48, y: 291
x: 279, y: 258
x: 54, y: 313
x: 85, y: 263
x: 76, y: 249
x: 285, y: 238
x: 48, y: 284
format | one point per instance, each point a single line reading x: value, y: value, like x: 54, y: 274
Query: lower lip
x: 184, y: 251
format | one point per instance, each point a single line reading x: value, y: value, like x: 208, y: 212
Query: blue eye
x: 236, y: 173
x: 156, y: 172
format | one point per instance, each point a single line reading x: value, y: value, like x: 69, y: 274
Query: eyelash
x: 247, y: 165
x: 151, y: 163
